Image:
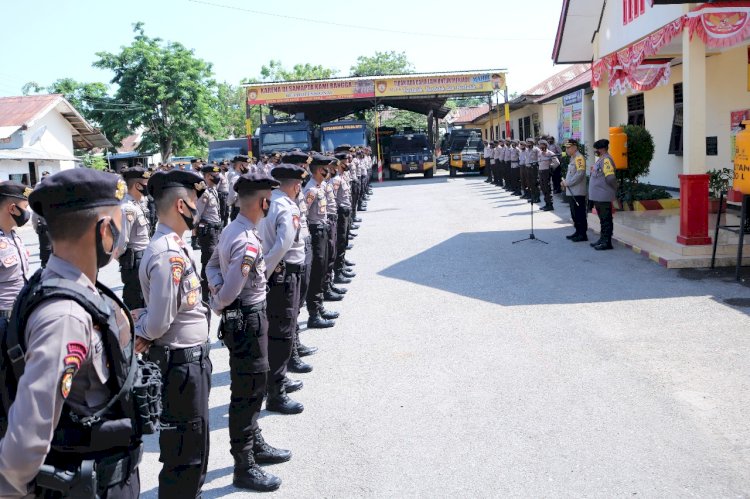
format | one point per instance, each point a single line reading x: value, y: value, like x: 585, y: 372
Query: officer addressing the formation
x: 602, y: 191
x: 136, y: 230
x: 237, y: 276
x: 574, y: 185
x: 284, y: 252
x: 70, y: 424
x: 173, y: 330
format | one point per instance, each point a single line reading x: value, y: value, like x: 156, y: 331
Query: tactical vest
x: 84, y: 436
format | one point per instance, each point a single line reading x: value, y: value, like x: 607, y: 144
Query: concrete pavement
x: 464, y: 365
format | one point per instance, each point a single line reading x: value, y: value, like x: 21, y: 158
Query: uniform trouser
x: 515, y: 176
x: 152, y: 218
x: 332, y: 248
x: 248, y: 372
x: 532, y: 175
x: 498, y: 173
x: 525, y: 178
x: 355, y: 198
x: 544, y: 176
x: 578, y: 214
x: 234, y: 212
x: 556, y: 179
x: 342, y: 238
x: 305, y: 274
x: 283, y: 309
x: 362, y: 191
x: 184, y: 437
x: 492, y: 171
x: 318, y: 268
x: 45, y: 245
x: 507, y: 174
x: 488, y: 170
x: 223, y: 207
x: 207, y: 240
x: 604, y: 210
x: 132, y: 295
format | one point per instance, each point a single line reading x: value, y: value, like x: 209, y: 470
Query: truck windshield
x: 332, y: 139
x: 223, y: 153
x: 466, y: 142
x: 288, y: 140
x: 409, y: 144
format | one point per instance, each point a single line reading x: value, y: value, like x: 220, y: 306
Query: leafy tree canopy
x: 382, y: 63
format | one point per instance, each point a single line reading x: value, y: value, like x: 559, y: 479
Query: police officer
x: 209, y: 220
x: 515, y: 167
x: 40, y: 227
x: 556, y: 172
x: 574, y: 186
x: 135, y: 230
x: 342, y: 191
x: 532, y: 170
x: 547, y: 162
x: 329, y: 294
x: 284, y: 253
x: 68, y: 394
x: 240, y: 166
x: 173, y: 330
x: 14, y: 258
x: 237, y: 274
x: 223, y: 190
x: 317, y: 217
x: 602, y: 191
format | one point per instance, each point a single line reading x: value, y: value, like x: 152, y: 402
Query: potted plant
x: 718, y: 183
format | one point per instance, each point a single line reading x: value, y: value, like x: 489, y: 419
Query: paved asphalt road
x: 466, y: 366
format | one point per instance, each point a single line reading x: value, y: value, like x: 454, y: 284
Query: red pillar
x: 693, y: 210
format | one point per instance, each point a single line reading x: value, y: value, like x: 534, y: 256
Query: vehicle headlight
x: 395, y: 159
x: 426, y: 158
x: 456, y: 157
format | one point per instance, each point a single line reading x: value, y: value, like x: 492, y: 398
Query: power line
x: 360, y: 27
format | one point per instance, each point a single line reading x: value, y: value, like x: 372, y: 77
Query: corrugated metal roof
x: 581, y: 81
x: 469, y: 114
x: 557, y: 80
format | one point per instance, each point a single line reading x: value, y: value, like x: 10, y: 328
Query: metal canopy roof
x: 322, y: 111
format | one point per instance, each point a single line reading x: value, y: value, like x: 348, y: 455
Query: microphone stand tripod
x: 531, y: 237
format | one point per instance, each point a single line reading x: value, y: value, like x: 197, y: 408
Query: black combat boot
x: 340, y: 279
x: 606, y: 244
x: 329, y: 314
x: 572, y: 235
x: 329, y: 295
x: 579, y: 238
x: 317, y: 322
x: 336, y: 289
x: 295, y: 364
x: 292, y: 385
x: 265, y: 454
x: 279, y: 401
x: 348, y: 263
x: 356, y: 219
x: 304, y: 351
x: 354, y: 227
x: 347, y: 273
x: 248, y: 475
x: 597, y: 242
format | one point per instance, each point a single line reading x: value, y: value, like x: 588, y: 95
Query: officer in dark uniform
x: 223, y: 190
x: 237, y: 276
x: 173, y: 330
x: 209, y: 220
x: 284, y: 253
x: 136, y: 230
x: 40, y: 226
x: 70, y: 425
x: 14, y: 260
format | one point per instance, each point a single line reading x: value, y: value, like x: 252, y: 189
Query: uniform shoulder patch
x: 310, y: 196
x: 3, y: 244
x: 580, y: 164
x: 251, y: 254
x: 607, y: 167
x: 177, y: 264
x: 76, y: 353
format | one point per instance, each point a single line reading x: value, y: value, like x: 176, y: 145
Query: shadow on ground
x: 488, y: 266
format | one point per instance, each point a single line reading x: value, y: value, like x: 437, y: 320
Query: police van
x: 411, y: 153
x: 465, y: 151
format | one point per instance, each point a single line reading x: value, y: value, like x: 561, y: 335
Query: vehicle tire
x: 392, y: 175
x: 429, y: 173
x: 454, y: 170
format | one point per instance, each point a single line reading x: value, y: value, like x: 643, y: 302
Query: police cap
x: 76, y: 189
x: 570, y: 142
x: 135, y: 172
x: 296, y: 158
x: 287, y: 170
x: 12, y: 189
x: 254, y: 182
x: 214, y: 168
x: 342, y: 155
x: 343, y: 147
x: 241, y: 158
x: 160, y: 181
x: 320, y: 160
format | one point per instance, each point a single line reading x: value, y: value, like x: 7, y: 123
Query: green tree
x: 87, y: 98
x: 406, y: 119
x: 275, y: 71
x: 230, y: 111
x: 94, y: 162
x: 382, y: 63
x: 164, y: 89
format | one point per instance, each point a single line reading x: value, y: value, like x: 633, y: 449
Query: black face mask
x: 103, y: 257
x: 189, y: 221
x: 215, y: 179
x: 140, y: 188
x: 22, y: 218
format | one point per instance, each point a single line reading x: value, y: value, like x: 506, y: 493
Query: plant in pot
x: 640, y: 155
x: 718, y: 183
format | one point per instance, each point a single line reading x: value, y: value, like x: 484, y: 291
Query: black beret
x: 160, y: 181
x: 296, y: 158
x: 12, y: 189
x: 601, y: 144
x: 342, y: 155
x: 76, y: 189
x: 342, y: 147
x: 254, y: 182
x: 570, y: 142
x: 135, y: 172
x: 210, y: 168
x: 195, y: 160
x: 286, y: 170
x: 242, y: 158
x: 320, y: 159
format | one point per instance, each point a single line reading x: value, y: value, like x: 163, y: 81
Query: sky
x: 45, y: 40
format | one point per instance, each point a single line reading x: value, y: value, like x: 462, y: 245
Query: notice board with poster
x: 570, y: 119
x: 735, y: 121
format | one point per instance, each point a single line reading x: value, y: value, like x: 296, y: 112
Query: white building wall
x: 613, y: 35
x: 57, y: 139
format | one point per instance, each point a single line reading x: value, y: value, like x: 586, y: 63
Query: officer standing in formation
x: 136, y: 231
x: 602, y: 191
x: 14, y: 259
x: 209, y: 220
x: 237, y: 276
x: 173, y: 331
x: 40, y: 227
x: 72, y: 345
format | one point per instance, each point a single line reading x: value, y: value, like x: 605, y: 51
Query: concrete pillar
x: 693, y: 181
x: 601, y: 109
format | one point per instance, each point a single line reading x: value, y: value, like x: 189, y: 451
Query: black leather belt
x: 5, y: 314
x: 332, y: 217
x: 344, y: 211
x: 294, y: 268
x: 136, y: 254
x: 255, y: 308
x: 179, y: 355
x: 318, y: 228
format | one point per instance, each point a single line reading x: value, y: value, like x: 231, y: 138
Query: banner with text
x: 445, y: 84
x: 300, y: 91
